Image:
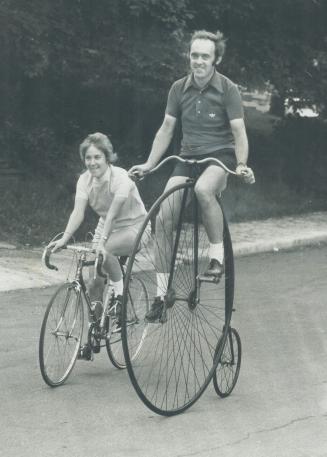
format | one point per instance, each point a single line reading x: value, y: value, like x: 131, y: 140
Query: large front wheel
x: 178, y: 356
x: 61, y: 335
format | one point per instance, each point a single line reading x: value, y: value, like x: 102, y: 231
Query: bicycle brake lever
x: 97, y: 267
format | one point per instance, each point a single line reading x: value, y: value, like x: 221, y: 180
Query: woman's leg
x: 120, y: 243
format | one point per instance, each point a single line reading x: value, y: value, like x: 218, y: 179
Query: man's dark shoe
x: 215, y: 268
x: 155, y: 311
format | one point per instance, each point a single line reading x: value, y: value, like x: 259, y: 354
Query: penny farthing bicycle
x: 192, y: 341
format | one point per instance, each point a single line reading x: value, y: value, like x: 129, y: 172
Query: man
x: 210, y: 110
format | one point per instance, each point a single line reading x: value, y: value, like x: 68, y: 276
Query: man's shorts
x: 226, y: 156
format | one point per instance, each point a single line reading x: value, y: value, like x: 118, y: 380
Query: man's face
x: 202, y: 58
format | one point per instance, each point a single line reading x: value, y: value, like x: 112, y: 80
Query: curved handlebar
x: 251, y: 180
x: 47, y: 254
x: 46, y: 259
x: 191, y: 162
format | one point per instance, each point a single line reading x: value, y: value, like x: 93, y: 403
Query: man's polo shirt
x: 205, y: 113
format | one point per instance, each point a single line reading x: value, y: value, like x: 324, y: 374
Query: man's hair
x: 100, y: 141
x: 217, y: 39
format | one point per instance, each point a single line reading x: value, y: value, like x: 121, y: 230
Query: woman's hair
x: 217, y: 38
x: 100, y: 141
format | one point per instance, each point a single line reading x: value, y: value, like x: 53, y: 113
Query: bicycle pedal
x: 85, y: 353
x: 210, y: 279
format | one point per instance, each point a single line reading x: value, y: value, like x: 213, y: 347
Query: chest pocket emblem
x: 212, y: 115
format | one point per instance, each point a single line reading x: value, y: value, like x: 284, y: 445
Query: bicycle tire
x: 178, y: 357
x: 226, y: 374
x: 138, y: 304
x: 61, y: 334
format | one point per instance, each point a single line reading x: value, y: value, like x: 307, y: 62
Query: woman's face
x: 95, y: 161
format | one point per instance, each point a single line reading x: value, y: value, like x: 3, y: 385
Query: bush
x: 35, y: 210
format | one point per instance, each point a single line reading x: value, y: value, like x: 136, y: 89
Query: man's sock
x: 162, y: 284
x: 216, y: 251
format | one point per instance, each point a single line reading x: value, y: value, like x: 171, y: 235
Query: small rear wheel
x: 137, y: 306
x: 228, y: 368
x: 61, y: 335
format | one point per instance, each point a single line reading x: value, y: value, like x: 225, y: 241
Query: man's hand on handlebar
x: 246, y: 173
x: 138, y: 171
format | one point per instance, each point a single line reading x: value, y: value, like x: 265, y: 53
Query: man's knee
x: 205, y: 194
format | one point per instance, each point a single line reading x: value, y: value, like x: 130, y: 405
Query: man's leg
x: 166, y: 220
x: 211, y: 183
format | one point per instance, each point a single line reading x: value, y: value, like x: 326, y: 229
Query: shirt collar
x: 214, y: 82
x: 104, y: 178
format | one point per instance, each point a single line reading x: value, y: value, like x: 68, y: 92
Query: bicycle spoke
x: 61, y: 335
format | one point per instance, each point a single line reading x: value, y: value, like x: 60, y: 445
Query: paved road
x: 278, y: 408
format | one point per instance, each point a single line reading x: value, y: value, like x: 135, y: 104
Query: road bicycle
x: 61, y: 335
x: 192, y: 342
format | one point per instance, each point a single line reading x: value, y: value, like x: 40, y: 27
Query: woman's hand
x: 101, y: 249
x: 56, y: 245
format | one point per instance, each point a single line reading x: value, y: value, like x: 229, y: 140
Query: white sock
x: 216, y: 251
x: 162, y: 284
x: 118, y: 287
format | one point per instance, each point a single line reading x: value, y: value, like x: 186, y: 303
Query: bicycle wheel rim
x: 61, y: 335
x: 177, y: 359
x: 137, y: 305
x: 229, y: 365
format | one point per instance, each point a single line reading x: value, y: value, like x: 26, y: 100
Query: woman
x: 115, y: 198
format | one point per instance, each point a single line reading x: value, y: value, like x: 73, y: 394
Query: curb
x: 33, y: 274
x: 260, y: 247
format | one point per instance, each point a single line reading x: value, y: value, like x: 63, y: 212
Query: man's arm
x: 242, y: 151
x: 241, y: 141
x: 162, y: 140
x: 160, y: 145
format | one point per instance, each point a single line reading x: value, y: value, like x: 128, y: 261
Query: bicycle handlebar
x: 98, y: 265
x: 191, y: 162
x: 47, y: 254
x: 46, y: 259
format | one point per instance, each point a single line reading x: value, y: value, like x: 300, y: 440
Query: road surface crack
x: 250, y: 434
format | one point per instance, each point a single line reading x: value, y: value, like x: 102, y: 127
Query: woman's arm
x: 75, y: 219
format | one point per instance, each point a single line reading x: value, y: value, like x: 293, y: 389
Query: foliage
x: 73, y: 67
x: 70, y: 68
